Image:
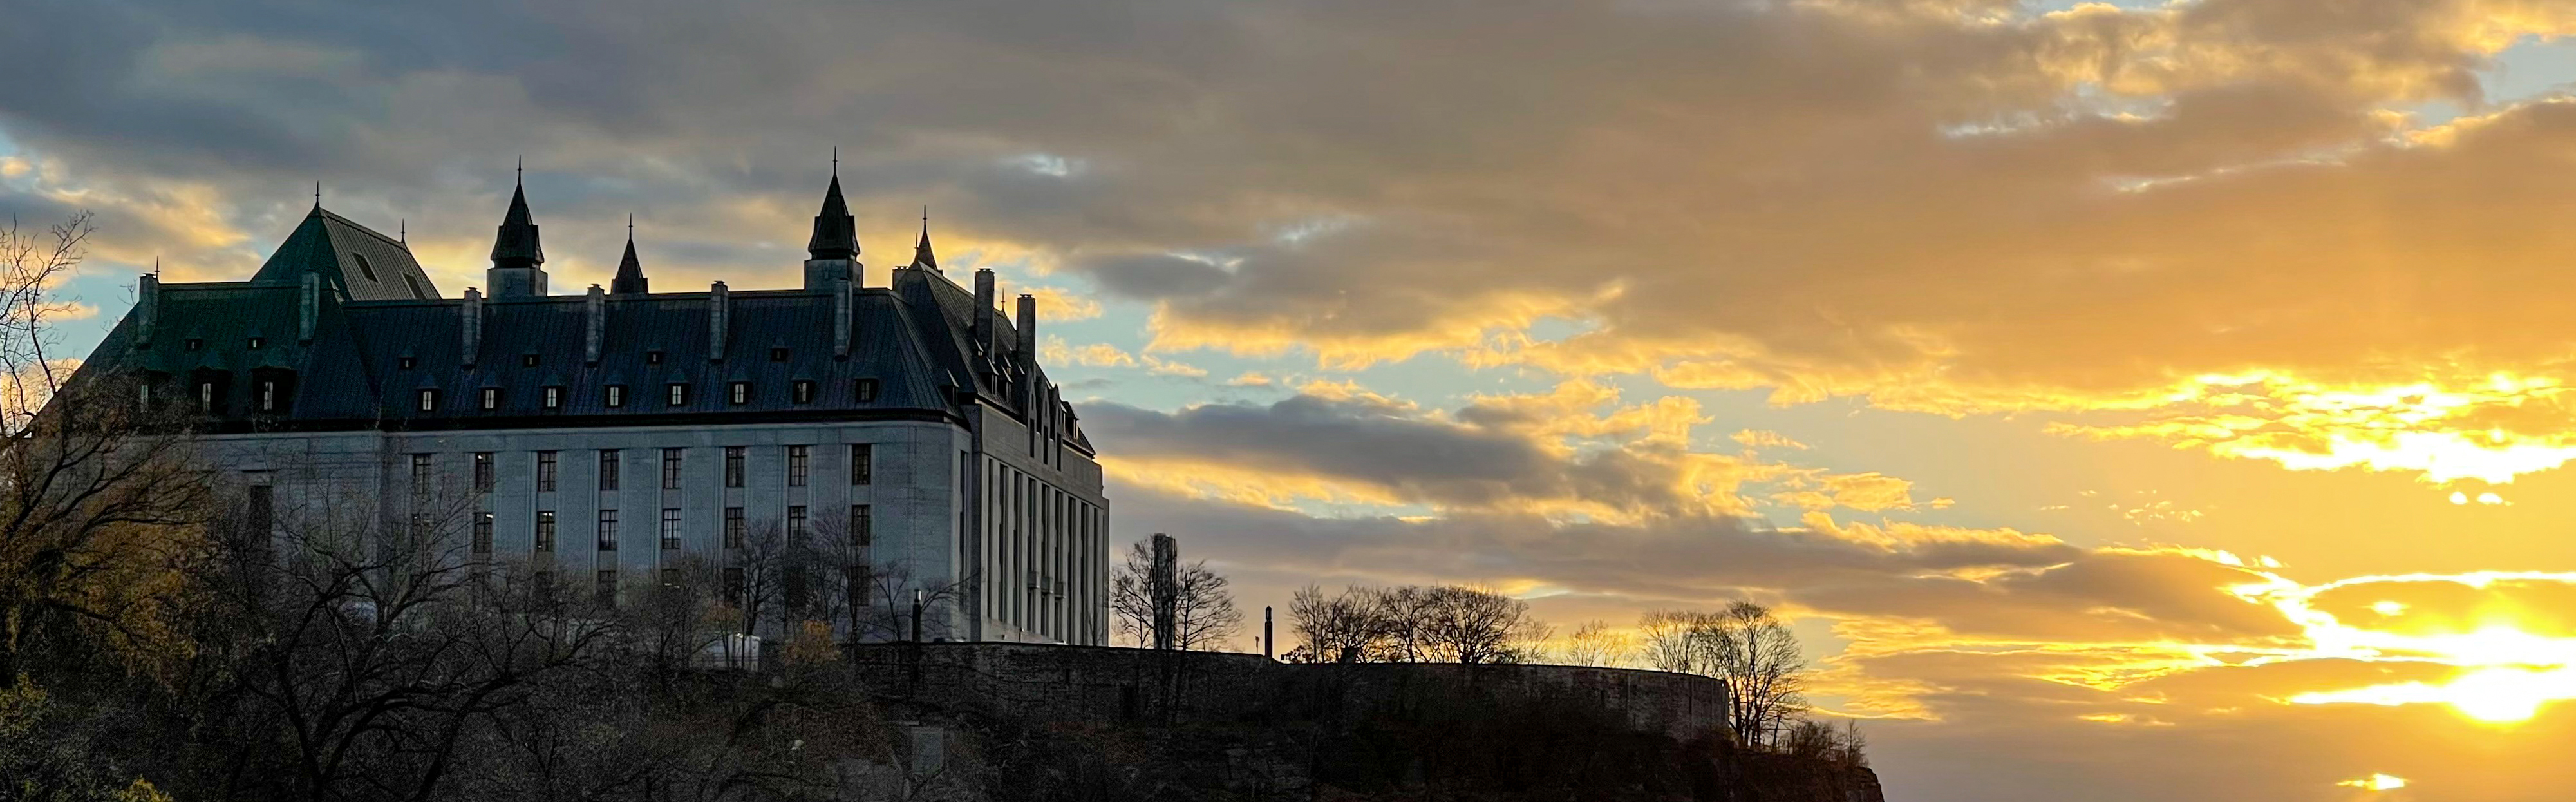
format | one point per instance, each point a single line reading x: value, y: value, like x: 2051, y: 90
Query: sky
x: 2127, y: 402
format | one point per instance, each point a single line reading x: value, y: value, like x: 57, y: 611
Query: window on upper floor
x: 739, y: 393
x: 652, y: 357
x: 364, y: 268
x: 194, y: 344
x: 863, y: 463
x: 778, y: 355
x: 796, y: 466
x: 483, y: 533
x: 677, y: 393
x: 491, y: 398
x: 407, y: 363
x: 670, y: 529
x: 414, y: 284
x: 608, y: 469
x: 426, y: 400
x: 545, y: 530
x: 255, y: 343
x: 865, y: 390
x: 545, y: 471
x: 554, y: 397
x: 734, y: 528
x: 482, y: 471
x: 733, y: 466
x: 614, y: 397
x: 527, y: 360
x: 607, y: 530
x: 671, y: 467
x: 802, y: 391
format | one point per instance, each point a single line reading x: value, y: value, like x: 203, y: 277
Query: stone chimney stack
x: 147, y: 309
x: 308, y: 307
x: 595, y: 305
x: 472, y: 345
x: 1163, y: 588
x: 984, y: 301
x: 719, y: 301
x: 841, y: 322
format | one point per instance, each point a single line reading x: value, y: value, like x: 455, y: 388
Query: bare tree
x: 1335, y: 628
x: 1764, y: 667
x: 1204, y: 615
x: 1675, y: 641
x: 1461, y: 624
x: 1595, y: 643
x: 102, y: 506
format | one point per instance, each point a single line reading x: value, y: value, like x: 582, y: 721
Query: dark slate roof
x: 836, y: 233
x: 517, y: 242
x: 354, y: 260
x: 914, y: 339
x: 630, y: 272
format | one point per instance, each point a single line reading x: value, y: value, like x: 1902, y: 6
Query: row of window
x: 614, y: 396
x: 674, y: 460
x: 862, y: 529
x: 525, y: 360
x: 857, y: 579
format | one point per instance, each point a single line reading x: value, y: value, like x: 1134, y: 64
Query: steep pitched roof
x: 517, y: 241
x: 354, y: 261
x: 836, y: 233
x: 630, y: 273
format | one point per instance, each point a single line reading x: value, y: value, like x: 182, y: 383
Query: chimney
x: 1028, y: 350
x: 984, y: 307
x: 841, y: 318
x: 596, y: 304
x: 1269, y: 637
x: 473, y: 343
x: 718, y: 301
x: 147, y: 309
x: 308, y: 307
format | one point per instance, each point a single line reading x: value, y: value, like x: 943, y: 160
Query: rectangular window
x: 734, y: 528
x: 866, y: 390
x: 733, y: 466
x: 671, y: 468
x: 545, y: 471
x: 554, y: 397
x: 268, y: 395
x: 491, y: 398
x: 608, y: 469
x: 482, y: 533
x: 857, y: 578
x: 616, y: 396
x: 545, y: 530
x: 863, y: 463
x: 482, y: 471
x: 527, y: 360
x: 607, y: 592
x: 863, y: 525
x: 778, y: 355
x: 679, y: 393
x: 407, y: 363
x: 733, y: 585
x: 428, y: 399
x: 670, y: 529
x: 421, y: 474
x: 795, y: 466
x: 206, y: 398
x: 607, y: 530
x: 803, y: 391
x: 741, y: 393
x: 796, y: 526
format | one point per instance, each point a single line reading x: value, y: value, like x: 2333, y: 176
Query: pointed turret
x: 517, y: 259
x: 834, y: 249
x: 921, y: 256
x: 630, y: 273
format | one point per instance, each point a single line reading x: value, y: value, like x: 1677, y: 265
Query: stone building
x: 603, y: 439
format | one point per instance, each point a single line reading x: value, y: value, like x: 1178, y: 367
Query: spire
x: 630, y: 273
x: 518, y: 240
x: 921, y: 255
x: 317, y: 194
x: 836, y: 234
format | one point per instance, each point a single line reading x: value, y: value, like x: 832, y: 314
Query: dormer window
x: 195, y: 344
x: 802, y: 391
x: 741, y: 393
x: 615, y: 396
x: 554, y: 397
x: 256, y: 342
x: 364, y: 268
x: 866, y: 390
x: 677, y: 392
x: 427, y: 400
x: 652, y: 357
x: 527, y: 360
x: 407, y: 363
x: 491, y: 398
x: 778, y: 355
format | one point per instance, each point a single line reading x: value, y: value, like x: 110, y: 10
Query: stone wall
x: 1101, y: 685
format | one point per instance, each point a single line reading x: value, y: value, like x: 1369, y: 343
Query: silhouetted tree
x: 1204, y: 615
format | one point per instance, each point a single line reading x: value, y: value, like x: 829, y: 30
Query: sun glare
x: 2502, y: 674
x: 2375, y: 782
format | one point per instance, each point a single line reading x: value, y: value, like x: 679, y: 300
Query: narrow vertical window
x: 482, y: 471
x: 608, y: 469
x: 420, y: 474
x: 670, y: 528
x: 802, y: 391
x: 491, y: 398
x: 554, y: 397
x: 796, y: 526
x: 863, y: 463
x: 671, y: 468
x: 615, y: 396
x: 866, y: 390
x: 545, y: 471
x: 545, y: 530
x: 679, y: 393
x: 206, y: 398
x: 733, y: 466
x: 734, y: 528
x: 268, y: 395
x: 741, y: 393
x: 428, y: 400
x: 607, y: 530
x: 863, y: 525
x: 482, y: 533
x: 795, y: 466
